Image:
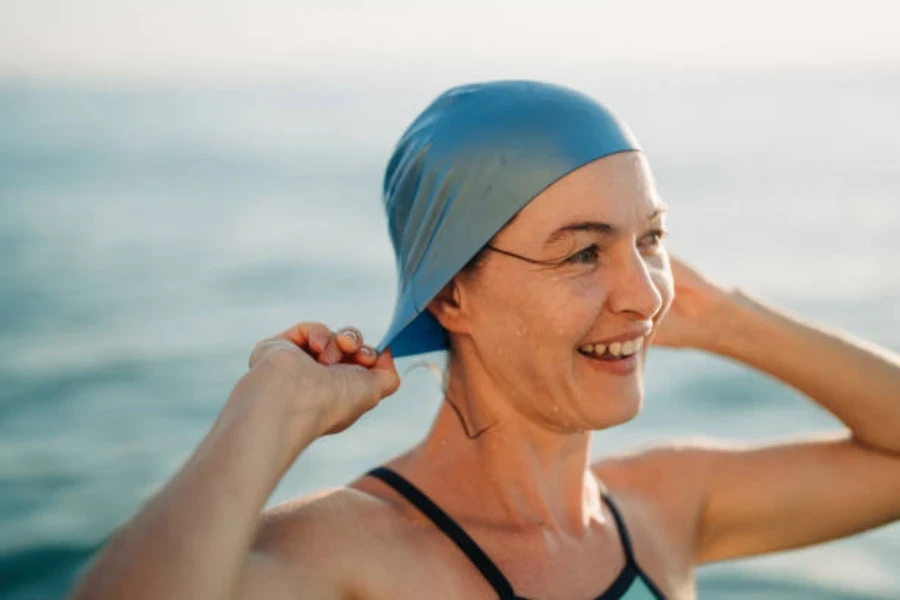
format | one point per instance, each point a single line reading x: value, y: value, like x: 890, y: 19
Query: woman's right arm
x: 194, y: 538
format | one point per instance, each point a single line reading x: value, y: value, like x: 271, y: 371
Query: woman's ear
x: 448, y: 308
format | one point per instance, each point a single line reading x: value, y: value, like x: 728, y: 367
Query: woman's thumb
x: 385, y: 374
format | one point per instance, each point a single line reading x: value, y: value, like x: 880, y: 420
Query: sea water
x: 150, y: 234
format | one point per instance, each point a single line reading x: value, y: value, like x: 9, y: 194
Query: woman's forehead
x: 617, y: 190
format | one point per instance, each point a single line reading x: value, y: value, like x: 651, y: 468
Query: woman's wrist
x: 730, y: 316
x: 748, y: 330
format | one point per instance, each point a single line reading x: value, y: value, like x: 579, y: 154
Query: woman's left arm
x: 856, y: 381
x: 774, y: 497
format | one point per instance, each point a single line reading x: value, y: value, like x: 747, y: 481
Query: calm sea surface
x: 150, y: 235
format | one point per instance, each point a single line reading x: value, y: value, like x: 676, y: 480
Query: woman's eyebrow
x: 591, y: 226
x: 598, y: 227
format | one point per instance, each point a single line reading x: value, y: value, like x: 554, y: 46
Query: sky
x: 234, y: 39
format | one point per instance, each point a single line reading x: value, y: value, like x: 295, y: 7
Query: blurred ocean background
x: 150, y: 234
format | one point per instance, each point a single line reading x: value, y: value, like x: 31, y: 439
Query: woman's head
x: 547, y: 175
x: 582, y: 264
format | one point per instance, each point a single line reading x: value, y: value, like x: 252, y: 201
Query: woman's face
x: 605, y: 278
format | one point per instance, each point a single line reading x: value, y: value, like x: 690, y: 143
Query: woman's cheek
x: 581, y: 308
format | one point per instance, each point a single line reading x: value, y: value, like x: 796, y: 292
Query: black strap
x: 620, y: 585
x: 623, y: 531
x: 631, y: 564
x: 431, y: 510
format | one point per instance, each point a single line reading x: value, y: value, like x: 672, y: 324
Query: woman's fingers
x: 386, y: 373
x: 308, y: 336
x: 328, y: 348
x: 365, y: 356
x: 316, y: 339
x: 349, y: 340
x: 366, y: 387
x: 331, y: 354
x: 319, y: 336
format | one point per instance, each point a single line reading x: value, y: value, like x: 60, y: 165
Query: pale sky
x: 229, y: 38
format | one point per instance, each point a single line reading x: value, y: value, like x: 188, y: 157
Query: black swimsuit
x: 631, y: 580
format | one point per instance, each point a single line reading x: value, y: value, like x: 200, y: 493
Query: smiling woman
x: 528, y: 232
x: 584, y: 233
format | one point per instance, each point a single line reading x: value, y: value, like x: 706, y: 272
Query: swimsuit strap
x: 620, y: 526
x: 443, y: 521
x: 631, y: 564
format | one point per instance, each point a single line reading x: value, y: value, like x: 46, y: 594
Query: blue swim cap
x: 464, y: 168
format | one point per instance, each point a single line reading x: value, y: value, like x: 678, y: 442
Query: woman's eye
x: 655, y: 236
x: 585, y: 255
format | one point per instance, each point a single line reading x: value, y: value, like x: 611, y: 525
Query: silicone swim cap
x: 464, y: 168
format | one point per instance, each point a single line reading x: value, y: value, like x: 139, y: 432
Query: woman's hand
x: 692, y: 321
x: 335, y: 375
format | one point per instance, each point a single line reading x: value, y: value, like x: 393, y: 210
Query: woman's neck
x: 492, y: 466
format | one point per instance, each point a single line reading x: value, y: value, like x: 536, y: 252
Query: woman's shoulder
x: 659, y: 490
x: 667, y: 479
x: 337, y: 516
x: 353, y: 525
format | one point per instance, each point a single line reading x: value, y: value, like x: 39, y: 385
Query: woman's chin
x: 607, y: 410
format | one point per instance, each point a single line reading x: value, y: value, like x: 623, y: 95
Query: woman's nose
x: 633, y: 288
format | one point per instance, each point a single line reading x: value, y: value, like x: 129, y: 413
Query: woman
x: 528, y: 234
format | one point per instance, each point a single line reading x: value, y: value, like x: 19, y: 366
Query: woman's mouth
x: 614, y: 351
x: 617, y: 358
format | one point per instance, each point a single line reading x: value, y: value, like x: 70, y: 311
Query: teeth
x: 616, y: 348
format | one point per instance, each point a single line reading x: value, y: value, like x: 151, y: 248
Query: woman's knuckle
x: 320, y: 328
